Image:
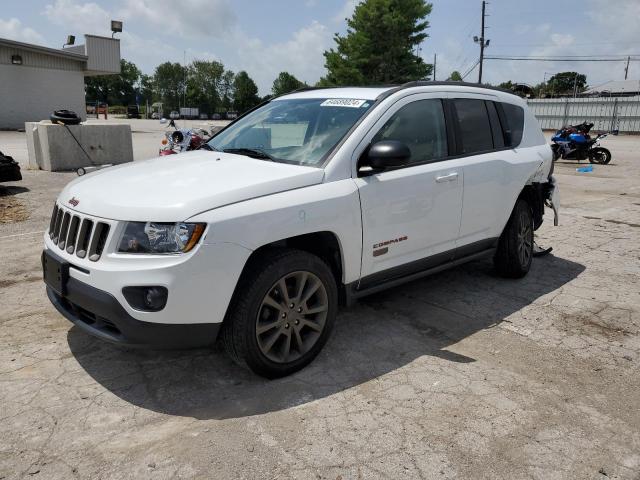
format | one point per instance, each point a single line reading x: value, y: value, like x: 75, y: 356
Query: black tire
x: 240, y: 330
x: 515, y: 247
x: 65, y: 117
x: 600, y: 155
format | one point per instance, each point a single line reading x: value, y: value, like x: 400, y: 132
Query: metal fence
x: 607, y: 113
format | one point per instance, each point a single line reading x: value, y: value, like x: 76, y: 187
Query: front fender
x: 328, y: 207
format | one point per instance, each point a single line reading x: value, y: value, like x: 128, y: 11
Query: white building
x: 615, y: 88
x: 36, y: 80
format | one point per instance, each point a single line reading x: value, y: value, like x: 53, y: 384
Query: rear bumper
x: 553, y: 198
x: 98, y: 313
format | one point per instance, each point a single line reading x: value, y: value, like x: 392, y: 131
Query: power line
x: 470, y: 69
x: 562, y: 59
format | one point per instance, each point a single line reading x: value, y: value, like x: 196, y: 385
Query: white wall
x: 30, y: 94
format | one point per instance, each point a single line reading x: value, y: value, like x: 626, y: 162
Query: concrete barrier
x: 53, y: 147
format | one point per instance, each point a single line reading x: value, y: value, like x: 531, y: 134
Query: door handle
x: 450, y: 177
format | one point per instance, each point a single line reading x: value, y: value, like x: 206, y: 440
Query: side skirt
x: 356, y: 290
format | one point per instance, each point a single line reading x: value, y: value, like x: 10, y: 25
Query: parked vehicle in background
x: 574, y: 143
x: 230, y: 115
x: 174, y: 115
x: 317, y: 197
x: 100, y: 109
x: 189, y: 113
x: 216, y: 116
x: 9, y: 169
x: 204, y: 116
x: 156, y: 110
x: 133, y: 111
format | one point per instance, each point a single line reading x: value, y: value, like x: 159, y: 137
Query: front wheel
x: 600, y: 155
x: 515, y: 247
x: 282, y: 312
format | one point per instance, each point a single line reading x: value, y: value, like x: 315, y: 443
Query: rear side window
x: 420, y: 125
x: 496, y: 127
x: 474, y: 127
x: 514, y: 119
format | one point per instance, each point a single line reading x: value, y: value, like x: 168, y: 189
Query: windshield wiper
x: 250, y: 152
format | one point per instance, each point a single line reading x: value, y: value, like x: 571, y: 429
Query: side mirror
x: 388, y: 153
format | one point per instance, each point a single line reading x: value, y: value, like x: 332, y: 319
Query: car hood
x: 176, y: 187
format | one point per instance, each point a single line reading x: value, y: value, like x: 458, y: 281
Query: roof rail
x: 416, y: 83
x: 449, y: 83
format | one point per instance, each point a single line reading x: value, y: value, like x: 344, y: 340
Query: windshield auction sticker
x: 343, y: 102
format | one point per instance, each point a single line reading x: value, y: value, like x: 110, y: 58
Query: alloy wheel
x: 525, y: 238
x: 292, y: 316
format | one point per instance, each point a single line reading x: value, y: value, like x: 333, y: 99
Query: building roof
x: 43, y: 50
x: 615, y: 86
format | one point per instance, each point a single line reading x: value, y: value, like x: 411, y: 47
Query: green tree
x: 146, y: 88
x: 455, y: 76
x: 204, y: 79
x: 169, y: 83
x: 245, y: 92
x: 508, y: 85
x: 380, y: 44
x: 286, y: 83
x: 226, y: 91
x: 564, y: 82
x: 114, y: 89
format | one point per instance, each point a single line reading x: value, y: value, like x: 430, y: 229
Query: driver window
x: 419, y: 125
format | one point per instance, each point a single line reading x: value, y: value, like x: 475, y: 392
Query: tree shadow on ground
x: 380, y: 334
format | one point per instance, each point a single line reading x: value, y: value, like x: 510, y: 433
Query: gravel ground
x: 460, y: 375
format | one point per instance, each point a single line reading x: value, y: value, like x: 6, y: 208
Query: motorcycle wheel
x: 600, y: 155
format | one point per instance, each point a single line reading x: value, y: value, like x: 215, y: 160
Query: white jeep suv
x: 310, y: 200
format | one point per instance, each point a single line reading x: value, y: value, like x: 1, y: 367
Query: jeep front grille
x: 79, y: 234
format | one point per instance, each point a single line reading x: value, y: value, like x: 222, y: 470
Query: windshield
x: 299, y: 131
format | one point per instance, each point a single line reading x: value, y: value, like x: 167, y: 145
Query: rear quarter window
x: 513, y: 124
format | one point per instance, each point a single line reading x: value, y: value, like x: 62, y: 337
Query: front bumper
x: 99, y: 313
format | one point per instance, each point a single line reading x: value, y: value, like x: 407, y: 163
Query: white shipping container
x: 189, y: 112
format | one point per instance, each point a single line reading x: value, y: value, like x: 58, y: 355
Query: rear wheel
x: 282, y: 313
x: 515, y: 247
x: 600, y: 155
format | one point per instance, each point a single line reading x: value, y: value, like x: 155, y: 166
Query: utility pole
x: 435, y: 57
x: 483, y: 43
x: 626, y: 70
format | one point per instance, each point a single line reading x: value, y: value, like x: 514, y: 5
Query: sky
x: 267, y: 37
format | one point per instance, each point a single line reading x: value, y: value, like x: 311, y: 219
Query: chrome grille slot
x: 57, y: 225
x: 98, y: 241
x: 73, y: 234
x: 52, y: 223
x: 77, y: 234
x: 64, y: 230
x: 83, y: 238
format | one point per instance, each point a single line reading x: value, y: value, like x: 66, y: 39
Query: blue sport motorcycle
x: 574, y: 143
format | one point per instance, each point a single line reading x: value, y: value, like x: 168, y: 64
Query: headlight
x: 155, y: 237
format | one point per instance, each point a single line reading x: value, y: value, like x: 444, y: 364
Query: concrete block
x: 55, y: 148
x: 33, y: 145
